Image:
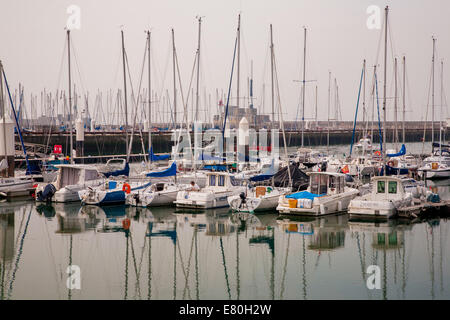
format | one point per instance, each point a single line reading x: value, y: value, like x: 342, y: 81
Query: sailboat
x: 438, y: 165
x: 263, y: 198
x: 9, y: 185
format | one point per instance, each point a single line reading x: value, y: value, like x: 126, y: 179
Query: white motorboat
x: 388, y: 194
x: 260, y: 198
x: 15, y: 186
x: 326, y: 194
x: 111, y: 192
x: 219, y: 186
x: 158, y: 194
x: 71, y: 179
x: 436, y: 170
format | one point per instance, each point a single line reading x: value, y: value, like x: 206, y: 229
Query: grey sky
x: 32, y: 40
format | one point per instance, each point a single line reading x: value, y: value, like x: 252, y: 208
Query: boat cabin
x: 326, y: 183
x: 387, y: 187
x: 221, y: 180
x: 74, y: 174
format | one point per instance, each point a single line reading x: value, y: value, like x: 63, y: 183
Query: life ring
x: 378, y: 153
x: 126, y: 187
x: 126, y: 224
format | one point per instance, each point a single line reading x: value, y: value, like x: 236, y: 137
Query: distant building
x: 235, y: 115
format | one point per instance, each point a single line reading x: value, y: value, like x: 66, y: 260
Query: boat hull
x: 322, y: 205
x: 203, y: 200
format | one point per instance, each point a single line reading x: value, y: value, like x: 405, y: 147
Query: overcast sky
x: 32, y: 39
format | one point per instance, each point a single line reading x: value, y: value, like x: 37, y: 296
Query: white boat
x: 15, y: 186
x: 388, y: 194
x: 260, y: 198
x: 436, y: 170
x: 111, y: 192
x: 158, y: 194
x: 326, y: 194
x: 71, y: 179
x: 219, y: 186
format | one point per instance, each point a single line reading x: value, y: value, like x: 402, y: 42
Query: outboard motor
x: 243, y: 199
x: 349, y: 178
x: 47, y: 194
x: 136, y: 197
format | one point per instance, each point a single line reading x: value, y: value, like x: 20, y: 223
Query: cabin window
x: 334, y: 183
x: 69, y: 176
x: 323, y: 184
x: 221, y: 181
x: 392, y: 188
x: 381, y: 185
x: 315, y: 183
x: 90, y: 175
x: 234, y: 182
x: 212, y: 180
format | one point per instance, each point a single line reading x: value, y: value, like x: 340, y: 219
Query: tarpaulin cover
x: 171, y: 171
x: 402, y: 152
x: 304, y: 195
x: 391, y: 171
x: 154, y: 157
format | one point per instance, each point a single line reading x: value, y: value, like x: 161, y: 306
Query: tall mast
x: 404, y: 94
x: 384, y: 84
x: 271, y: 75
x: 125, y: 91
x: 315, y: 113
x: 198, y: 67
x: 70, y: 98
x: 149, y: 94
x: 442, y: 104
x: 328, y: 122
x: 2, y: 107
x: 303, y: 90
x: 174, y: 83
x: 364, y: 100
x: 238, y: 59
x: 432, y: 93
x: 395, y: 104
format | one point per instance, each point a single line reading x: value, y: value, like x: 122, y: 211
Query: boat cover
x: 171, y: 171
x: 304, y: 195
x: 154, y: 157
x: 402, y: 152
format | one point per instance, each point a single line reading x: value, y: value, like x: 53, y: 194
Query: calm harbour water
x: 216, y: 255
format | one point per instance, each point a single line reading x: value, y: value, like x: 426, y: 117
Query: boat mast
x: 303, y: 92
x: 2, y: 107
x: 125, y: 91
x: 442, y: 103
x: 271, y: 75
x: 385, y: 72
x: 315, y: 113
x: 329, y: 97
x: 174, y: 83
x: 395, y: 106
x: 364, y: 103
x: 432, y: 92
x: 404, y: 94
x: 149, y: 95
x: 238, y: 59
x: 70, y: 98
x: 198, y: 67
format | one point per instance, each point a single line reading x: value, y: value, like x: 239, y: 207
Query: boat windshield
x: 381, y: 187
x: 319, y: 183
x: 392, y: 187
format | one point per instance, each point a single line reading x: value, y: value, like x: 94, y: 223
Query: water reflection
x: 140, y: 253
